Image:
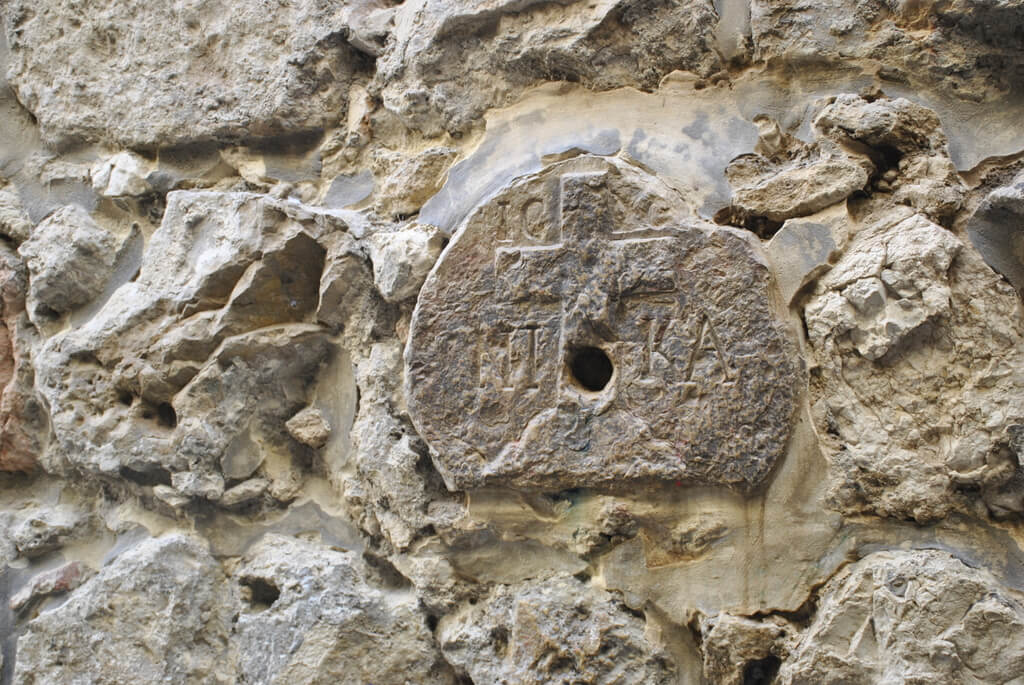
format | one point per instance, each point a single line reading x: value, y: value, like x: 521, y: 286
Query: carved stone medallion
x: 582, y: 330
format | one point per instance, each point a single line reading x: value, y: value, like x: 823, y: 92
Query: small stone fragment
x: 411, y: 182
x: 45, y: 530
x: 123, y: 175
x: 735, y: 648
x: 171, y: 497
x: 245, y: 492
x: 197, y: 484
x: 53, y: 582
x: 402, y: 259
x: 803, y: 248
x: 310, y: 427
x: 786, y: 178
x: 799, y: 189
x: 14, y: 222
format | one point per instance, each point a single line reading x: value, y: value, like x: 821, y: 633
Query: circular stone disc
x: 579, y: 331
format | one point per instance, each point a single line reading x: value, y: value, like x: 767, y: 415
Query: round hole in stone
x: 590, y: 367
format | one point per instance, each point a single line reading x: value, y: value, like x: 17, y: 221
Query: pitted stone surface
x: 581, y: 331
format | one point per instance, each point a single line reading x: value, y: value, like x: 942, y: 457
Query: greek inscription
x: 512, y: 364
x: 612, y: 328
x: 707, y: 341
x: 524, y: 223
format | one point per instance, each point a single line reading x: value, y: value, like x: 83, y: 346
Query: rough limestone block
x: 339, y: 627
x: 911, y: 616
x: 579, y: 332
x: 801, y: 250
x: 155, y: 74
x: 160, y: 612
x: 997, y: 231
x: 553, y: 631
x: 69, y: 260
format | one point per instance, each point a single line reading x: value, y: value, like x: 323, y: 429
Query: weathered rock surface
x: 452, y: 61
x: 56, y: 582
x: 186, y: 71
x: 123, y: 175
x: 401, y: 260
x: 167, y: 594
x: 997, y: 231
x: 22, y: 418
x: 392, y: 342
x: 69, y: 259
x: 963, y: 48
x: 14, y: 221
x: 902, y: 134
x: 203, y: 357
x: 341, y: 627
x: 902, y: 325
x: 739, y: 650
x: 579, y: 332
x: 45, y: 531
x: 922, y: 616
x: 785, y: 178
x: 555, y: 631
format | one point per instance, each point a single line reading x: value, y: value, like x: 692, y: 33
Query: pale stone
x: 347, y: 291
x: 69, y: 259
x: 46, y: 530
x: 53, y: 582
x: 342, y: 628
x: 785, y: 178
x: 245, y: 492
x: 401, y: 260
x: 906, y: 136
x: 579, y: 332
x: 171, y: 497
x: 552, y: 631
x: 804, y: 248
x: 738, y: 650
x: 997, y: 231
x: 310, y: 427
x: 451, y: 61
x: 204, y: 355
x: 22, y: 416
x: 962, y: 50
x: 185, y: 71
x: 943, y: 342
x: 919, y: 616
x: 123, y: 175
x: 800, y: 190
x: 160, y: 612
x: 14, y: 222
x: 205, y: 485
x: 413, y: 181
x: 912, y: 256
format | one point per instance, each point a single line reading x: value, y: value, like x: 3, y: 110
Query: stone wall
x: 512, y: 341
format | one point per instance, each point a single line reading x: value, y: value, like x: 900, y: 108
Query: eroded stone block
x: 996, y: 231
x: 581, y: 331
